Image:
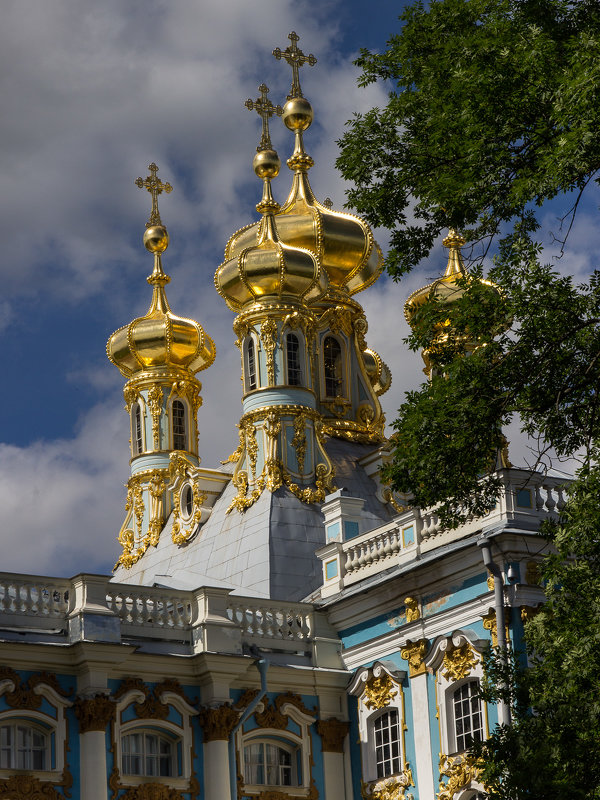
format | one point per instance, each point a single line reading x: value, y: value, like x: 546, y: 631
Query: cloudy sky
x: 92, y: 93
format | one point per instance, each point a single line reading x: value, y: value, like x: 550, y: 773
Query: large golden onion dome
x: 266, y: 267
x: 159, y: 340
x: 343, y: 243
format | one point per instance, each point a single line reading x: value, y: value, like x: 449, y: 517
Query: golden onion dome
x: 446, y: 289
x: 159, y: 340
x: 343, y: 243
x: 267, y: 268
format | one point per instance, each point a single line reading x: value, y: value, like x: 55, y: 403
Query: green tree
x: 493, y: 111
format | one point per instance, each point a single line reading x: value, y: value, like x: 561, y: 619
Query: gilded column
x: 93, y: 715
x: 333, y: 733
x: 217, y: 724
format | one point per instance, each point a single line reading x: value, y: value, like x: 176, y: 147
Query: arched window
x: 251, y: 382
x: 386, y: 736
x: 332, y: 365
x: 294, y: 369
x: 146, y: 753
x: 178, y: 424
x: 23, y: 747
x: 270, y: 764
x: 136, y: 429
x: 468, y: 719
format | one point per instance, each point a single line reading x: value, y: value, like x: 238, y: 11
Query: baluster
x: 561, y: 502
x: 539, y: 500
x: 550, y: 503
x: 355, y: 558
x: 348, y: 564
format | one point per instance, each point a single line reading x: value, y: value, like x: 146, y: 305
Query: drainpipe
x: 486, y: 552
x: 262, y: 665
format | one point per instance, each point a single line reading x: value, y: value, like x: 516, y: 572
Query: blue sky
x: 91, y: 94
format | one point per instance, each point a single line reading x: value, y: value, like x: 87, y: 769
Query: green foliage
x: 494, y: 108
x: 552, y: 750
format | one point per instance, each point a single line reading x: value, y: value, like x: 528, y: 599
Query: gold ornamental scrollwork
x: 333, y: 732
x: 414, y: 653
x: 22, y: 695
x: 26, y: 787
x: 459, y: 662
x: 218, y: 723
x: 268, y: 337
x: 151, y: 791
x: 299, y: 441
x: 389, y: 788
x: 460, y: 771
x: 132, y: 538
x: 379, y: 691
x: 155, y: 401
x: 413, y: 612
x: 94, y: 713
x: 490, y: 624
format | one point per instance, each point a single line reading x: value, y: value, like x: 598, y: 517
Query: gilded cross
x: 155, y: 186
x: 265, y: 109
x: 295, y: 58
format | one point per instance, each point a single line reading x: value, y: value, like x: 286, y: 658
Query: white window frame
x: 160, y: 734
x: 134, y: 449
x: 368, y: 716
x: 281, y: 743
x: 55, y: 727
x: 246, y: 363
x: 301, y: 359
x: 14, y: 725
x: 301, y: 743
x: 445, y: 686
x: 177, y: 734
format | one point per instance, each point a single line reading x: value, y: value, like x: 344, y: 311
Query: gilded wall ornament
x: 299, y: 441
x: 294, y: 700
x: 388, y: 497
x: 271, y: 717
x: 245, y: 699
x: 22, y: 694
x: 460, y: 772
x: 459, y: 662
x: 413, y: 612
x: 155, y: 401
x: 529, y: 612
x: 379, y: 691
x: 151, y: 791
x: 333, y: 732
x: 94, y: 713
x: 131, y: 395
x: 217, y: 723
x: 490, y: 624
x: 131, y: 537
x: 388, y: 788
x: 490, y: 582
x: 152, y: 707
x: 268, y: 337
x: 414, y: 653
x: 26, y: 787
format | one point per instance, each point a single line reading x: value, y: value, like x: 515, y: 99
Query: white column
x: 422, y: 733
x: 93, y: 715
x: 216, y: 770
x: 333, y: 733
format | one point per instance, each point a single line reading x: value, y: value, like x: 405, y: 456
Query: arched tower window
x: 332, y: 365
x: 251, y: 382
x: 136, y: 429
x: 294, y: 368
x: 179, y: 426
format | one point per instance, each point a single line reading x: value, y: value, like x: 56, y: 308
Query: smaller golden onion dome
x: 267, y: 268
x: 159, y: 340
x: 446, y: 289
x: 343, y: 242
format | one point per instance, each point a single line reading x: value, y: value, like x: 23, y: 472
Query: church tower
x: 159, y: 354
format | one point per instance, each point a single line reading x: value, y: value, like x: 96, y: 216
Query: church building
x: 284, y: 626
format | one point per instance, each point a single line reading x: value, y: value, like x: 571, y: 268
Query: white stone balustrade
x: 90, y: 607
x: 525, y: 500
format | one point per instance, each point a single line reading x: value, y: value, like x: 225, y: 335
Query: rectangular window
x: 386, y: 731
x: 468, y: 720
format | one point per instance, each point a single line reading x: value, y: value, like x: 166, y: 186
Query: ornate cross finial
x: 295, y: 58
x: 265, y: 109
x: 155, y: 186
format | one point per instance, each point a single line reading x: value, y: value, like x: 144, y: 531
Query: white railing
x: 525, y: 497
x: 204, y: 619
x: 148, y: 607
x: 267, y: 620
x: 29, y: 596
